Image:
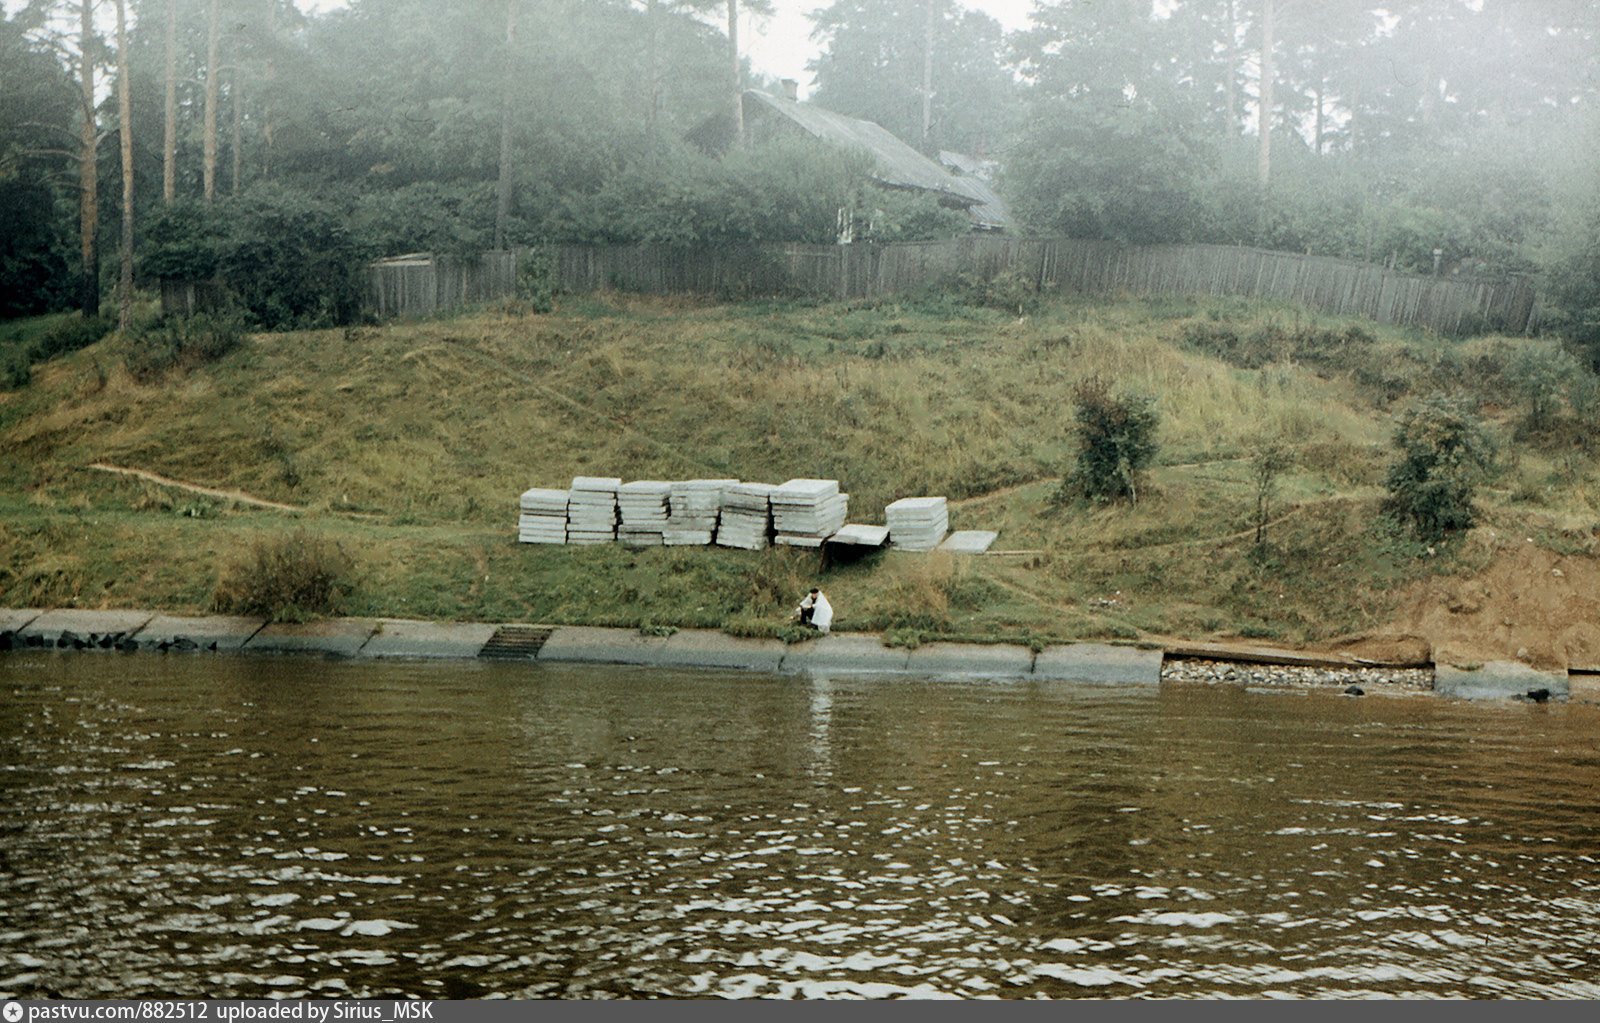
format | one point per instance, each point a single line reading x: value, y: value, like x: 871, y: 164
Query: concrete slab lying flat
x: 12, y: 620
x: 1497, y: 680
x: 399, y: 637
x: 863, y: 536
x: 214, y: 632
x: 339, y: 637
x: 703, y: 648
x: 1099, y: 663
x: 839, y: 651
x: 968, y: 541
x: 586, y: 644
x: 997, y: 661
x: 1584, y: 687
x: 67, y: 628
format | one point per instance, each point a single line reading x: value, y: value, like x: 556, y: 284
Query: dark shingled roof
x: 895, y: 163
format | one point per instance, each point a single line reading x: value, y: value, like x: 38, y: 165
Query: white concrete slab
x: 842, y: 651
x: 865, y: 536
x: 338, y: 637
x: 1498, y: 680
x: 1099, y: 663
x: 180, y: 633
x: 587, y: 644
x: 65, y: 627
x: 398, y: 637
x: 13, y: 619
x: 704, y: 648
x: 978, y: 660
x: 969, y: 541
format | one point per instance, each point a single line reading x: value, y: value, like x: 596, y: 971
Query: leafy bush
x: 172, y: 341
x: 1089, y: 168
x: 1575, y: 289
x: 66, y: 335
x: 1247, y: 349
x: 1538, y: 371
x: 286, y: 578
x: 1116, y: 442
x: 1444, y: 453
x: 1013, y: 291
x: 17, y: 369
x: 183, y: 241
x: 34, y: 275
x: 290, y: 258
x: 536, y: 280
x: 1270, y: 461
x: 69, y: 335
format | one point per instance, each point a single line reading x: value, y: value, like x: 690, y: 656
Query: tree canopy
x: 1457, y: 134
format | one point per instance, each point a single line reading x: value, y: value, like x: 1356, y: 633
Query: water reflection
x: 244, y: 827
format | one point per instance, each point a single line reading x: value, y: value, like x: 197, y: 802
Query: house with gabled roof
x: 894, y: 163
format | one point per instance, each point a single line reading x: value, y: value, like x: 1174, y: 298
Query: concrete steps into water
x: 131, y: 630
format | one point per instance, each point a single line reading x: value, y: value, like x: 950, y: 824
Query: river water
x: 242, y: 827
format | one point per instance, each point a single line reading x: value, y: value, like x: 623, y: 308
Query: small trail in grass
x: 193, y: 488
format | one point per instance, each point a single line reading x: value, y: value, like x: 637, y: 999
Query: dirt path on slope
x: 224, y: 495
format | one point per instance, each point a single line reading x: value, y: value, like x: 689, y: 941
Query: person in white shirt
x: 815, y: 611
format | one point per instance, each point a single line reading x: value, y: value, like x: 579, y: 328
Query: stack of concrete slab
x: 746, y: 520
x: 543, y: 517
x: 592, y: 509
x: 806, y: 512
x: 643, y: 504
x: 917, y: 523
x: 693, y: 509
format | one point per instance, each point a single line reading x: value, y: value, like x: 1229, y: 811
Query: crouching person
x: 815, y: 611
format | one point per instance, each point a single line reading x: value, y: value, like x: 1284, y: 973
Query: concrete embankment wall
x: 376, y: 638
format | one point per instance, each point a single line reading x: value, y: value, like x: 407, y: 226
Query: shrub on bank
x: 1444, y: 453
x: 1116, y: 442
x: 187, y: 341
x: 287, y: 579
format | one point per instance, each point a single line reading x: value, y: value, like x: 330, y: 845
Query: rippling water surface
x: 243, y: 827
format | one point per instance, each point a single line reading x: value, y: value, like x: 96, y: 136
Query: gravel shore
x: 1369, y: 680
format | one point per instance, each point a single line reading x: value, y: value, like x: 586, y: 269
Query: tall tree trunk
x: 208, y: 141
x: 169, y: 132
x: 236, y: 93
x: 1230, y: 73
x: 1321, y: 118
x: 88, y: 167
x: 502, y: 207
x: 1268, y: 72
x: 738, y: 74
x: 927, y: 72
x: 653, y: 115
x: 269, y: 74
x: 125, y: 133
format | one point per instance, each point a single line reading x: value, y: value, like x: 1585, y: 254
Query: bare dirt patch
x: 1528, y: 604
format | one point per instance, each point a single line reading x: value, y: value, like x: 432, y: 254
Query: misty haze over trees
x: 281, y: 150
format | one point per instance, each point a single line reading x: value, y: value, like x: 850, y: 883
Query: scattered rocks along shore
x: 1415, y: 680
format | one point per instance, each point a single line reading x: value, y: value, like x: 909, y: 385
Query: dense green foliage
x: 391, y: 126
x: 1116, y: 441
x: 873, y: 64
x: 1445, y: 451
x: 43, y: 340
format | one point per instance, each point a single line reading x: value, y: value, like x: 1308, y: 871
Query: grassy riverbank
x: 408, y: 444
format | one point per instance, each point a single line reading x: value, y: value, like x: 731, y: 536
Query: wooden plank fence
x: 421, y: 284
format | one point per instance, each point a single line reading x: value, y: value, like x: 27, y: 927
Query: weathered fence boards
x: 421, y: 284
x: 185, y: 297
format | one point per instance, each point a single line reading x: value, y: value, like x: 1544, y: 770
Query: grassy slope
x: 409, y: 444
